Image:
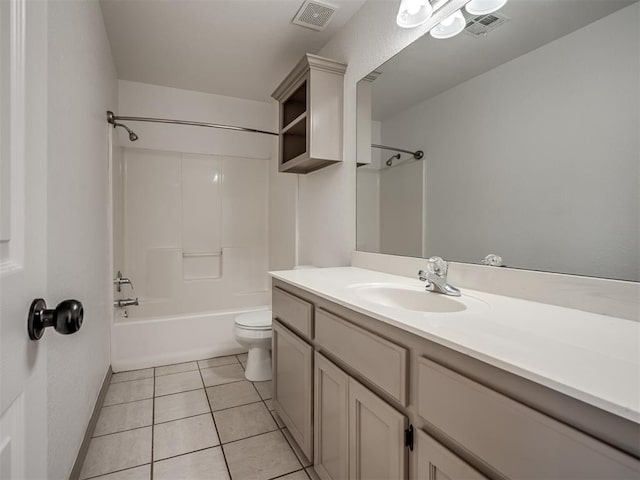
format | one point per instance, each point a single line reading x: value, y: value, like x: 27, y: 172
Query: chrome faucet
x: 125, y: 302
x: 436, y: 277
x: 120, y: 280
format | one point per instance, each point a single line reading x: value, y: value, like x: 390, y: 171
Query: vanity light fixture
x: 484, y: 7
x: 413, y: 13
x: 450, y: 26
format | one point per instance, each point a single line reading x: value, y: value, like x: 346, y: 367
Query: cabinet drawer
x: 380, y: 361
x: 512, y: 438
x: 293, y: 312
x: 435, y: 461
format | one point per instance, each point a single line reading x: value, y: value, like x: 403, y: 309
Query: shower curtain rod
x: 112, y: 119
x: 418, y: 154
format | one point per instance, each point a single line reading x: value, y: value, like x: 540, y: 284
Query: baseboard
x: 88, y: 434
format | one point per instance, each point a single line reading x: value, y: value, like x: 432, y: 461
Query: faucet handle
x: 493, y: 260
x: 437, y: 266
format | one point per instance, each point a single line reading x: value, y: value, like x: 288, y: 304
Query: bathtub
x: 149, y: 342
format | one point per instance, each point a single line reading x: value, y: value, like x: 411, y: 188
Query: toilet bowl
x: 253, y: 331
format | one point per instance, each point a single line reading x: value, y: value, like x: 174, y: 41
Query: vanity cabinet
x: 436, y: 462
x: 331, y: 420
x: 292, y: 360
x: 376, y: 436
x: 390, y: 404
x: 357, y: 434
x: 310, y: 115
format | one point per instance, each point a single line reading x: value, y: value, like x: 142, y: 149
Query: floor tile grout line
x: 236, y: 406
x: 237, y: 362
x: 116, y: 471
x: 125, y: 403
x: 128, y: 381
x: 253, y: 436
x: 187, y: 453
x: 292, y: 448
x: 174, y: 373
x: 130, y: 401
x: 250, y: 436
x: 224, y: 456
x: 184, y: 418
x: 285, y: 474
x: 121, y: 431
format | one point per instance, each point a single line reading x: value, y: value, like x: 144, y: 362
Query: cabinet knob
x: 65, y: 319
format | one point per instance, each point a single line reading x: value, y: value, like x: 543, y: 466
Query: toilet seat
x: 260, y: 320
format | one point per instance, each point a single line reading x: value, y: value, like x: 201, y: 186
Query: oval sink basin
x: 408, y: 298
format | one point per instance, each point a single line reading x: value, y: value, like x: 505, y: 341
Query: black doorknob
x: 66, y: 318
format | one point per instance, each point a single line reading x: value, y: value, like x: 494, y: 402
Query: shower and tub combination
x: 189, y: 245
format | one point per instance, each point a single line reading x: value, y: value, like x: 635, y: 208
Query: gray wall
x: 81, y: 87
x: 527, y: 162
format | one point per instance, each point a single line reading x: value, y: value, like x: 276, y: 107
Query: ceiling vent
x: 314, y: 15
x: 481, y: 25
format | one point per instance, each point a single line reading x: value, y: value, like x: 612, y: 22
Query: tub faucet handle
x: 121, y: 280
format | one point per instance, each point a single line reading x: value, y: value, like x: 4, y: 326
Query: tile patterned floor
x: 193, y: 420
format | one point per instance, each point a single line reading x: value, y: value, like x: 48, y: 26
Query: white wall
x: 326, y: 209
x: 144, y: 100
x: 537, y: 119
x: 81, y: 87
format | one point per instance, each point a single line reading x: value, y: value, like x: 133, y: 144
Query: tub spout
x: 125, y: 302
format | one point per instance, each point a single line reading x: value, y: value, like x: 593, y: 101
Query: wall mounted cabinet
x: 310, y: 118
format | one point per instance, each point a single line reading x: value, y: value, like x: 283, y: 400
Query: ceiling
x: 428, y: 66
x: 239, y: 48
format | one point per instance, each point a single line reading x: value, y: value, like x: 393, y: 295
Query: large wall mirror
x: 530, y: 128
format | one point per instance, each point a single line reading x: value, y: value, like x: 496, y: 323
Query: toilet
x: 253, y: 331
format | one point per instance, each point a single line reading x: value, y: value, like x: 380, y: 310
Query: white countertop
x: 593, y: 358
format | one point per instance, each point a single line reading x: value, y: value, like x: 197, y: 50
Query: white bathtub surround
x: 142, y: 343
x: 593, y: 358
x: 195, y: 232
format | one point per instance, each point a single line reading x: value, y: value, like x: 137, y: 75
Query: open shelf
x: 297, y: 126
x: 293, y: 146
x: 295, y: 105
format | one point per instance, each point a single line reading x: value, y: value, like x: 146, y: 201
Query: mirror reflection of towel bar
x: 203, y: 254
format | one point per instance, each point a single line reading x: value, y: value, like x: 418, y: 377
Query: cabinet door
x: 331, y: 428
x: 293, y: 385
x: 376, y: 437
x: 435, y: 462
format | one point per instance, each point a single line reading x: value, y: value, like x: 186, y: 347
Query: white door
x: 23, y: 228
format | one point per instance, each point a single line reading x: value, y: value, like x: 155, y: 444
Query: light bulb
x: 413, y: 7
x: 484, y: 7
x: 450, y: 26
x: 413, y: 13
x: 447, y: 22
